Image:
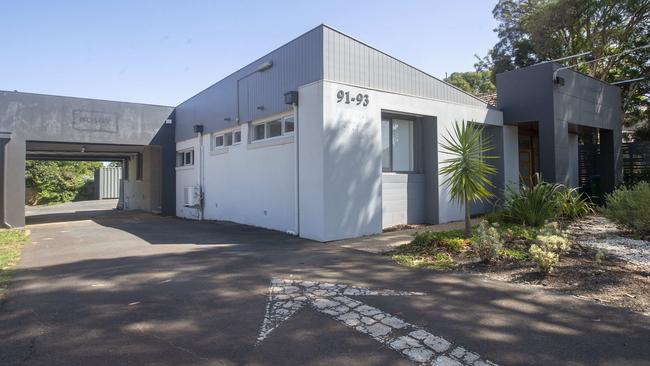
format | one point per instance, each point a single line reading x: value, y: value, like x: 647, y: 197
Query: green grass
x: 11, y: 241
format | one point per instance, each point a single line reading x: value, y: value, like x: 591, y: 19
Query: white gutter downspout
x: 201, y: 175
x: 296, y: 125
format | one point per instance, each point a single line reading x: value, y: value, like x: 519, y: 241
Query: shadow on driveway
x: 142, y: 289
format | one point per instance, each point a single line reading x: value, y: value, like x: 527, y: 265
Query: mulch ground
x: 612, y: 282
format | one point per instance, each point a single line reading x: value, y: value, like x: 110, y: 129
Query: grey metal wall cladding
x: 41, y: 117
x: 107, y: 182
x: 297, y: 63
x: 587, y: 101
x: 350, y: 61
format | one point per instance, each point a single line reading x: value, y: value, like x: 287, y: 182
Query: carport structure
x: 46, y: 127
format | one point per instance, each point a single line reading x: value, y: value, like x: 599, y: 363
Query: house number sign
x: 347, y: 98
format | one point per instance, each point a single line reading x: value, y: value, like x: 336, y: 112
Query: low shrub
x: 545, y: 258
x: 550, y: 244
x: 630, y: 208
x: 487, y: 243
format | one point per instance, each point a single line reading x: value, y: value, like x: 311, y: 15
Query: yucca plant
x: 467, y: 171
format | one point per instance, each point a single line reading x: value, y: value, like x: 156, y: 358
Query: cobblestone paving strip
x: 287, y: 296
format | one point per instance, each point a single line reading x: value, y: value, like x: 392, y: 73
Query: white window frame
x: 266, y: 128
x: 224, y: 142
x: 183, y: 158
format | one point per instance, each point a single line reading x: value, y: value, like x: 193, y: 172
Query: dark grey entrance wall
x: 529, y: 95
x: 48, y: 118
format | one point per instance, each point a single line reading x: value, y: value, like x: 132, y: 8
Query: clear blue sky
x: 163, y: 52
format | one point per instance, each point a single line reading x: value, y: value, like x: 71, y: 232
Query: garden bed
x: 585, y: 271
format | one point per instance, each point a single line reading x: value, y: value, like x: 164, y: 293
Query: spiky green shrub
x: 532, y: 205
x: 630, y: 208
x: 487, y: 243
x: 574, y: 204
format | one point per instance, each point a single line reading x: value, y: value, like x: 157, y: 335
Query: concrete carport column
x: 12, y: 180
x: 553, y: 149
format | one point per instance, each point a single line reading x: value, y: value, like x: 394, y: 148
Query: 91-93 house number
x: 359, y: 99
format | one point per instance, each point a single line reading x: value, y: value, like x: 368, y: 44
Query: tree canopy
x: 59, y: 181
x: 532, y: 31
x: 478, y: 82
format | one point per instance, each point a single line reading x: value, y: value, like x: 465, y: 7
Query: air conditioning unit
x: 192, y: 197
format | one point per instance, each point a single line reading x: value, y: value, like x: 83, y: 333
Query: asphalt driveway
x: 136, y: 289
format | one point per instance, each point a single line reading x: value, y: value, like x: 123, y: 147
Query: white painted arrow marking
x: 286, y: 297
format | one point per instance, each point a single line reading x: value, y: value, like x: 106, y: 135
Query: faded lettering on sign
x: 94, y: 121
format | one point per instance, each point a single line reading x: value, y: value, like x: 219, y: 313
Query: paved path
x: 139, y: 289
x: 70, y: 211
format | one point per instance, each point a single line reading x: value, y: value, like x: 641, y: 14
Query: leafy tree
x: 531, y: 31
x: 475, y: 82
x: 59, y: 181
x: 467, y: 169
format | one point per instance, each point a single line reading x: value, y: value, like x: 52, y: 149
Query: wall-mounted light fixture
x: 291, y: 97
x: 260, y: 107
x: 227, y: 119
x: 265, y: 66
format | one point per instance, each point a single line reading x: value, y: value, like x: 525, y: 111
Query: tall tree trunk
x: 468, y: 222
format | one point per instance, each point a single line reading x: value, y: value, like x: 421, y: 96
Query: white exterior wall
x: 402, y: 199
x: 249, y: 183
x: 351, y: 140
x: 342, y: 186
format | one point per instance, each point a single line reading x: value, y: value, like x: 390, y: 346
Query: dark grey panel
x: 65, y: 119
x: 350, y: 61
x: 297, y: 63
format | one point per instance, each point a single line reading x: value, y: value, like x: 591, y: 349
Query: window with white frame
x: 270, y: 129
x: 185, y: 158
x: 397, y: 145
x: 226, y: 139
x: 218, y: 141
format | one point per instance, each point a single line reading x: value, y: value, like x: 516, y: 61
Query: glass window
x: 236, y: 137
x: 185, y: 158
x: 228, y: 139
x: 402, y: 145
x: 218, y: 141
x: 258, y: 132
x: 397, y: 145
x: 385, y: 145
x: 288, y: 125
x: 274, y: 128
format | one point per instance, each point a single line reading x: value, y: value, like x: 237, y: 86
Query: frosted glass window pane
x: 385, y: 145
x: 402, y: 145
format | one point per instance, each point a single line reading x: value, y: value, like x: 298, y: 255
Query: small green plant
x: 630, y: 208
x: 487, y: 243
x: 600, y: 257
x: 550, y: 244
x: 545, y: 258
x: 515, y: 253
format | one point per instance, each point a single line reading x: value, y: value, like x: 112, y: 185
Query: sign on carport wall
x: 107, y: 182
